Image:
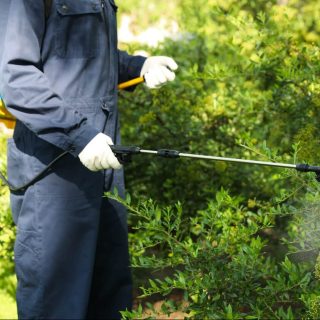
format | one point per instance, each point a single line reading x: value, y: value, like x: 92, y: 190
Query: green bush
x: 220, y: 259
x: 7, y: 231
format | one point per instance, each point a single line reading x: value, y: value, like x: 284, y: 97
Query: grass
x: 7, y: 306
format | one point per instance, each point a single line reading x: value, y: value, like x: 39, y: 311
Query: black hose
x: 24, y: 187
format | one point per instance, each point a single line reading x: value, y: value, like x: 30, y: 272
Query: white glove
x: 158, y: 70
x: 97, y: 154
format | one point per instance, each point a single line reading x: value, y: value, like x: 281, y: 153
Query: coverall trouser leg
x: 71, y: 251
x: 111, y: 288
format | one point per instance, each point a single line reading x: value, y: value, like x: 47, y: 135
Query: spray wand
x: 124, y: 153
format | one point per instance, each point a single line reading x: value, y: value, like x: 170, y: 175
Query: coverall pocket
x: 78, y: 25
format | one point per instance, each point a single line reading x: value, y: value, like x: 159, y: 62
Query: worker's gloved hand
x: 97, y: 154
x: 158, y: 70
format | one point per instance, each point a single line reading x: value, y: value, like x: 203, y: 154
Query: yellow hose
x: 5, y: 117
x: 130, y: 83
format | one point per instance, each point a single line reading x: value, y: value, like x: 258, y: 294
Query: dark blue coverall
x: 59, y: 78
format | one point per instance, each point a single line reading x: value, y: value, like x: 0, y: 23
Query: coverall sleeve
x: 129, y: 66
x: 26, y: 89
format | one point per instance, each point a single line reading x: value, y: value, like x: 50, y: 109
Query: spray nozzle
x: 307, y: 168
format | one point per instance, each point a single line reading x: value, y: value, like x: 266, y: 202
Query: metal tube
x: 264, y: 163
x: 204, y: 157
x: 149, y: 151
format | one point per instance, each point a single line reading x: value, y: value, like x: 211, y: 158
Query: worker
x: 59, y: 78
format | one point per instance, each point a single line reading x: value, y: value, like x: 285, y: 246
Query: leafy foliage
x: 219, y: 259
x: 7, y: 231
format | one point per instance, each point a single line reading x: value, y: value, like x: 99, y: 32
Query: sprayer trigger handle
x: 124, y: 153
